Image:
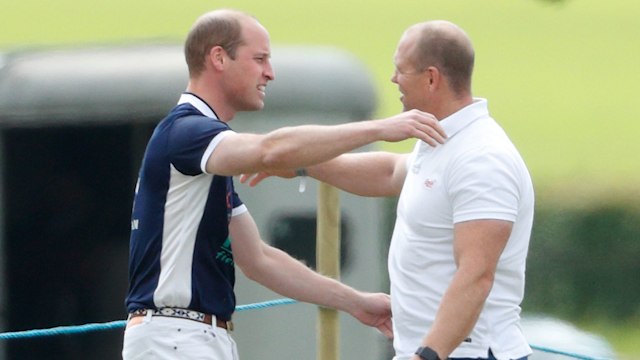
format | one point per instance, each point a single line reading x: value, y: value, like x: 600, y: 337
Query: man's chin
x: 254, y: 107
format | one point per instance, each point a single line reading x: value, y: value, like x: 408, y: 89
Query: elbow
x: 485, y: 283
x: 254, y: 268
x: 276, y: 157
x: 275, y: 149
x: 273, y: 160
x: 248, y: 265
x: 250, y: 271
x: 478, y: 281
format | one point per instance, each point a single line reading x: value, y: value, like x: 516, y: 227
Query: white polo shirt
x: 477, y: 174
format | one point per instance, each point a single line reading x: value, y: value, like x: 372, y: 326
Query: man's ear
x: 217, y: 57
x: 434, y: 78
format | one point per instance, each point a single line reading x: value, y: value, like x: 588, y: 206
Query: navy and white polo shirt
x: 180, y: 250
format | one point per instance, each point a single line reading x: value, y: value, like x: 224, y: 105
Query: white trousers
x: 164, y: 338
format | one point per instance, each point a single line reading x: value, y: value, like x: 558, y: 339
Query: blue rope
x: 62, y: 330
x: 265, y: 304
x: 79, y: 329
x: 565, y: 353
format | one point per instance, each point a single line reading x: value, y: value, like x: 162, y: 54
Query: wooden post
x: 328, y: 263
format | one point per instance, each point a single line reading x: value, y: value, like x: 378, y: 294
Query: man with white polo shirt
x: 189, y: 227
x: 464, y: 215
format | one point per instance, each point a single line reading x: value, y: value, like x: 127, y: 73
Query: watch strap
x: 427, y: 353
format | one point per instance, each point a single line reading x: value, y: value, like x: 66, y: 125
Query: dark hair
x: 216, y: 28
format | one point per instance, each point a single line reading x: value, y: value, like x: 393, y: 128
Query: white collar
x: 455, y: 122
x: 198, y: 103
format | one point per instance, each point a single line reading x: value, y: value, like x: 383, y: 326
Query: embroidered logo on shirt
x: 429, y: 183
x: 225, y: 255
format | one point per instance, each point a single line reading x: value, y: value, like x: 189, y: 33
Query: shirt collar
x: 198, y: 103
x: 457, y: 121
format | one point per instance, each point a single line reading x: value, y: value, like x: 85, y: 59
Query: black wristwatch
x: 427, y: 353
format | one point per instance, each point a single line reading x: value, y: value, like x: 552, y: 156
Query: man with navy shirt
x: 189, y: 228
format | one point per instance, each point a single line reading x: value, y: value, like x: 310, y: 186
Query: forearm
x: 289, y: 277
x: 364, y: 174
x: 478, y: 245
x: 283, y: 274
x: 312, y: 144
x: 305, y: 145
x: 458, y: 313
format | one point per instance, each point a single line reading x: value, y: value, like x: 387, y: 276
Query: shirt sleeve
x: 191, y: 139
x: 483, y: 185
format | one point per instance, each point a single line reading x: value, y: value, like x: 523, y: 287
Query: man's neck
x: 452, y: 106
x: 212, y: 97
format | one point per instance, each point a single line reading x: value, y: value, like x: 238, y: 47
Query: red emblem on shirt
x: 429, y: 183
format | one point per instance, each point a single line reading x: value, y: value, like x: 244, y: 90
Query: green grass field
x: 560, y: 77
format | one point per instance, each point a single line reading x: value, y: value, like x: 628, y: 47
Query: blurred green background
x: 560, y: 77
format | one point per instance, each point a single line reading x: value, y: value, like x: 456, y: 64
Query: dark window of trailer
x: 296, y: 235
x: 68, y: 194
